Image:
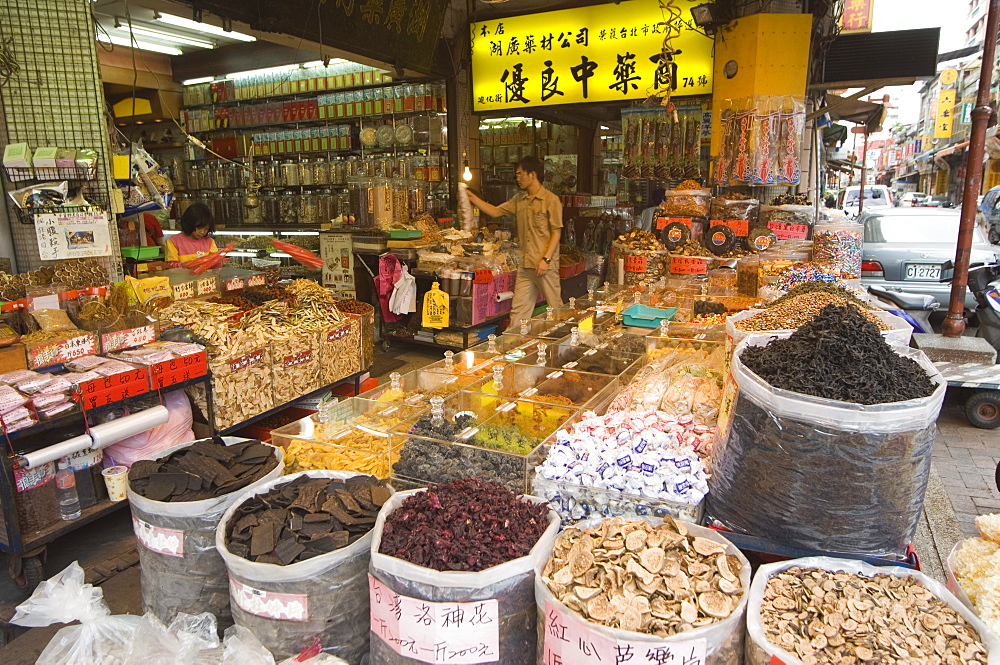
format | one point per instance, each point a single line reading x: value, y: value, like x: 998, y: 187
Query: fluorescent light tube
x: 145, y: 46
x: 156, y: 34
x: 207, y: 28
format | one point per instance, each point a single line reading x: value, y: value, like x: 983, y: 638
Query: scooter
x: 914, y: 308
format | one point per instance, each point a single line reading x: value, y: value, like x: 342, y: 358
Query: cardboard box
x: 17, y: 155
x: 65, y: 158
x: 45, y: 158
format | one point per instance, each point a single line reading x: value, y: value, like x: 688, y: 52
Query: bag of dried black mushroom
x: 477, y: 588
x: 827, y: 443
x: 297, y: 552
x: 176, y: 501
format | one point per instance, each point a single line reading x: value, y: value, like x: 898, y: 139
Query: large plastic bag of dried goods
x: 322, y: 599
x: 193, y: 640
x: 822, y: 474
x: 497, y: 605
x: 181, y: 571
x: 564, y: 635
x: 761, y: 651
x: 100, y: 636
x: 148, y: 444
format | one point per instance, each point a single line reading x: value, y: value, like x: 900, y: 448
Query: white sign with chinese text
x: 72, y: 235
x: 461, y: 633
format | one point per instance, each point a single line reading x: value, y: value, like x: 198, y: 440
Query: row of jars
x: 322, y: 171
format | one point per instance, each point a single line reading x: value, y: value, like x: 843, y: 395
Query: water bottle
x: 69, y: 500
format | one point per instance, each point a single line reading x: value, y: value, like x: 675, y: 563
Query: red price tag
x: 785, y: 231
x: 688, y: 265
x: 235, y: 284
x: 255, y: 280
x: 740, y: 227
x: 686, y: 221
x: 636, y: 263
x: 249, y: 359
x: 661, y: 223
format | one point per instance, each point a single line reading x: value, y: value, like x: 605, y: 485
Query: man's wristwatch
x: 546, y: 259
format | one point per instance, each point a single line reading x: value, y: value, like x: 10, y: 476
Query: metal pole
x: 864, y: 160
x: 954, y: 323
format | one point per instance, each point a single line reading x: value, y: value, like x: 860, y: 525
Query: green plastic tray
x: 139, y: 253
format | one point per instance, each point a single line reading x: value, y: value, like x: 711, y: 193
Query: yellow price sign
x: 945, y: 114
x: 600, y: 53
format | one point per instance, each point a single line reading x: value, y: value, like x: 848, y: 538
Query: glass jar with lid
x: 338, y: 171
x: 271, y: 174
x: 306, y: 173
x: 253, y: 215
x: 308, y: 208
x: 290, y: 173
x: 321, y: 171
x: 288, y: 204
x: 324, y: 205
x: 272, y: 212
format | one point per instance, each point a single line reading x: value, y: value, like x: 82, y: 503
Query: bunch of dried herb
x: 467, y: 524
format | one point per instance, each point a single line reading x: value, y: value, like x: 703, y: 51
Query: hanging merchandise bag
x: 181, y: 569
x: 322, y: 599
x: 100, y: 636
x: 436, y: 308
x: 502, y: 595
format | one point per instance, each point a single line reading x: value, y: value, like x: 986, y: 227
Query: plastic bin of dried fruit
x: 510, y: 346
x: 463, y: 363
x: 546, y: 385
x: 570, y: 353
x: 353, y: 435
x: 475, y: 434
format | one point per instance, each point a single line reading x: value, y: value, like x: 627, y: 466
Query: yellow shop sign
x: 601, y: 53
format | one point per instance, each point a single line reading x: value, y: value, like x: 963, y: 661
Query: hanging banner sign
x: 72, y: 235
x: 601, y: 53
x: 945, y: 114
x: 857, y: 16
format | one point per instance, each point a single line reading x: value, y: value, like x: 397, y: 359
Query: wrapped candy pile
x: 646, y: 453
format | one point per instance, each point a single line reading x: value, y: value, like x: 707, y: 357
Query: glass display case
x: 474, y: 434
x: 563, y: 355
x: 547, y: 385
x: 417, y: 387
x: 353, y: 435
x: 470, y: 363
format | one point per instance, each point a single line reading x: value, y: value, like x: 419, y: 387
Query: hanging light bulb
x: 466, y: 172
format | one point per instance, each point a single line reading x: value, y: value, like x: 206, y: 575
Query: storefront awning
x: 842, y: 165
x: 834, y: 134
x: 925, y: 156
x: 855, y: 110
x: 910, y: 177
x: 950, y: 150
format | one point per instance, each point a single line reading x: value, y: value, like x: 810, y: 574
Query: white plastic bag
x: 722, y: 642
x: 821, y: 474
x: 324, y: 598
x: 181, y: 569
x: 189, y: 640
x: 241, y: 647
x: 951, y: 580
x: 511, y: 584
x: 759, y: 651
x: 100, y: 639
x: 148, y: 444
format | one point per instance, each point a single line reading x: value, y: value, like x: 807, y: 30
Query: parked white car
x: 877, y: 197
x: 912, y: 199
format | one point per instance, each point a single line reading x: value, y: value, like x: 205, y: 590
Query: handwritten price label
x: 636, y: 263
x: 268, y: 604
x: 661, y: 223
x: 786, y: 231
x: 688, y: 265
x: 156, y: 539
x: 207, y: 285
x: 256, y: 280
x: 569, y: 642
x: 235, y: 284
x: 740, y: 227
x: 248, y: 360
x: 460, y: 633
x: 185, y: 290
x: 686, y: 221
x: 126, y: 339
x: 338, y: 333
x: 298, y: 359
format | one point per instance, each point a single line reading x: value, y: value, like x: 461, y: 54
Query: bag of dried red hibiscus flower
x: 452, y: 574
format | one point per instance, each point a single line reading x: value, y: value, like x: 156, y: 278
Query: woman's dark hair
x: 531, y: 164
x: 198, y: 216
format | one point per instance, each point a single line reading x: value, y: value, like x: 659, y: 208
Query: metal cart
x: 982, y: 406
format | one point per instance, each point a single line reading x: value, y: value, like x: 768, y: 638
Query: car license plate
x: 923, y: 271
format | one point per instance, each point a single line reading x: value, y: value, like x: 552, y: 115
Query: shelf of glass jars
x: 345, y: 152
x: 302, y: 96
x: 334, y: 119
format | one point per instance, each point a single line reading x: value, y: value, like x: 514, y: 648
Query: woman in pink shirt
x: 195, y: 238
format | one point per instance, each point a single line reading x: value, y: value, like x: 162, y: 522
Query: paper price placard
x: 688, y: 265
x: 460, y: 633
x: 636, y: 263
x: 72, y: 235
x: 785, y: 231
x: 568, y: 641
x: 740, y: 227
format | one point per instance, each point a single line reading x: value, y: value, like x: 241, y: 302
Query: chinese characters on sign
x: 589, y: 54
x: 460, y: 633
x: 72, y: 235
x: 945, y: 114
x: 857, y: 16
x: 568, y: 641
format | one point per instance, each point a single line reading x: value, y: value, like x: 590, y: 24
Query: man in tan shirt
x: 539, y: 224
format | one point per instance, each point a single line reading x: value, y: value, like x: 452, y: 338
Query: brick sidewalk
x: 966, y: 458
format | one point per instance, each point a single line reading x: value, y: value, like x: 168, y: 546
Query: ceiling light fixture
x: 207, y: 28
x: 143, y: 46
x: 466, y: 172
x: 156, y: 34
x: 203, y: 79
x: 262, y: 72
